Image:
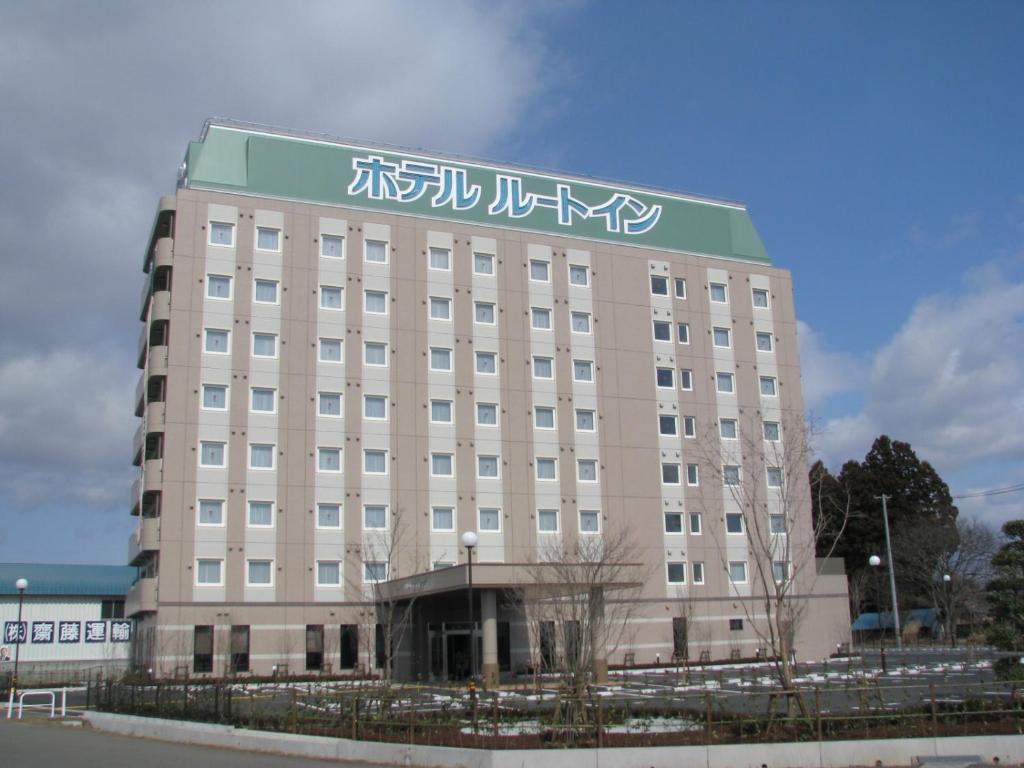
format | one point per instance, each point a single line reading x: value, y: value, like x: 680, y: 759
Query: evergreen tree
x: 1006, y: 590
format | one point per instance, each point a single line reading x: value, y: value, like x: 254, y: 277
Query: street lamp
x: 874, y: 561
x: 21, y: 585
x: 469, y: 540
x: 892, y: 573
x: 948, y: 608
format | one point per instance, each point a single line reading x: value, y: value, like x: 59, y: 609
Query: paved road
x: 40, y: 742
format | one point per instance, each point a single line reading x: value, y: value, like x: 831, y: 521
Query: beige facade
x: 331, y: 395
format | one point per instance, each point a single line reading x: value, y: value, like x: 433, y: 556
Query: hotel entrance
x: 450, y: 657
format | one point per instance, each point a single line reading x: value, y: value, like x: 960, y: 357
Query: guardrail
x: 29, y: 692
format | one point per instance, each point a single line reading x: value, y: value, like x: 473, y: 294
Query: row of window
x: 717, y: 292
x: 260, y: 573
x: 376, y: 252
x: 213, y: 455
x: 671, y: 474
x: 721, y: 337
x: 737, y: 570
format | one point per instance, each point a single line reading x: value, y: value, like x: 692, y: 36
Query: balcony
x: 140, y: 393
x: 135, y: 495
x: 141, y: 347
x: 156, y: 414
x: 158, y: 360
x: 163, y: 253
x: 152, y: 475
x: 147, y: 291
x: 141, y: 597
x: 161, y: 307
x: 138, y: 441
x: 144, y: 539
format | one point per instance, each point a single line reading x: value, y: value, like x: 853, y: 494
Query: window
x: 547, y: 520
x: 667, y: 425
x: 328, y: 573
x: 771, y: 431
x: 330, y: 297
x: 259, y: 573
x: 487, y: 467
x: 329, y: 459
x: 579, y: 275
x: 332, y: 246
x: 721, y: 337
x: 490, y: 519
x: 582, y: 370
x: 725, y: 383
x: 218, y: 287
x: 375, y: 462
x: 719, y: 293
x: 580, y: 322
x: 733, y: 522
x: 777, y: 523
x: 680, y: 288
x: 442, y: 519
x: 483, y: 312
x: 375, y: 517
x: 265, y: 292
x: 440, y: 359
x: 544, y: 417
x: 774, y: 476
x: 208, y: 572
x: 486, y: 414
x: 486, y: 362
x: 779, y: 571
x: 376, y: 251
x: 735, y: 625
x: 698, y: 573
x: 760, y: 298
x: 586, y: 470
x: 731, y: 474
x: 692, y: 474
x: 441, y: 411
x: 483, y: 264
x: 738, y: 571
x: 211, y: 512
x: 328, y: 516
x: 261, y: 456
x: 440, y: 308
x: 686, y: 379
x: 314, y: 647
x: 268, y: 239
x: 330, y: 350
x: 441, y: 465
x: 662, y: 330
x: 670, y: 474
x: 375, y: 353
x: 768, y: 387
x: 547, y: 469
x: 440, y: 565
x: 264, y: 345
x: 542, y: 368
x: 673, y: 522
x: 215, y: 397
x: 585, y: 420
x: 683, y: 333
x: 590, y: 521
x: 764, y: 341
x: 664, y: 378
x: 262, y: 400
x: 376, y: 302
x: 375, y: 407
x: 540, y: 318
x: 539, y: 270
x: 375, y: 571
x: 676, y: 573
x: 216, y: 341
x: 689, y: 426
x: 222, y: 233
x: 695, y: 524
x: 261, y: 514
x: 441, y: 258
x: 212, y: 454
x: 727, y: 429
x: 330, y: 404
x: 659, y: 285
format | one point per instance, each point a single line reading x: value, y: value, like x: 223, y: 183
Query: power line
x: 991, y: 492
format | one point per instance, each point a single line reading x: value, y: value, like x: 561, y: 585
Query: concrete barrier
x: 826, y: 754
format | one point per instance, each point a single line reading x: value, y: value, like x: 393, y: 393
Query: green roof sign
x: 251, y: 161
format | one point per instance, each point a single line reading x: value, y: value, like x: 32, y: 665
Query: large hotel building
x: 351, y: 354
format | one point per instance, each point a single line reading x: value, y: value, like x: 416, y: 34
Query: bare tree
x: 767, y: 497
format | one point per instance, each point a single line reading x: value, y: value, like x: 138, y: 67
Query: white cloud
x: 950, y: 382
x: 825, y: 372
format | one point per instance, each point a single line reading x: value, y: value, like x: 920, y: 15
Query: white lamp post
x: 21, y: 585
x: 469, y: 540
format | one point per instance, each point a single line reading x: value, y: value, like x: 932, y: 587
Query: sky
x: 877, y: 146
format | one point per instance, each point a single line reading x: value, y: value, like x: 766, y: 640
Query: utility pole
x: 892, y: 572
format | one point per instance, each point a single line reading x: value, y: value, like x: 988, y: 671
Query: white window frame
x: 206, y: 341
x: 550, y: 361
x: 761, y: 380
x: 697, y: 530
x: 248, y: 513
x: 367, y: 396
x: 496, y: 415
x: 771, y: 472
x: 727, y: 475
x: 689, y: 427
x: 541, y: 312
x: 497, y: 466
x: 746, y: 574
x: 323, y: 237
x: 711, y: 293
x: 695, y: 482
x: 758, y: 335
x: 547, y: 270
x: 341, y: 515
x: 677, y: 281
x: 573, y: 315
x: 683, y: 333
x: 430, y: 259
x: 728, y: 337
x: 274, y: 230
x: 248, y: 572
x: 476, y: 363
x: 451, y: 411
x: 202, y: 397
x: 491, y: 257
x: 664, y: 524
x: 722, y: 432
x: 536, y: 414
x: 590, y: 366
x: 277, y: 291
x: 441, y: 454
x: 586, y: 274
x: 672, y: 375
x: 387, y: 518
x: 735, y: 516
x: 494, y: 313
x: 732, y: 383
x: 576, y: 420
x: 664, y: 280
x: 431, y: 359
x: 341, y: 297
x: 341, y: 405
x: 597, y: 516
x: 316, y: 574
x: 697, y: 567
x: 655, y: 324
x: 223, y: 464
x: 199, y: 513
x: 686, y: 375
x: 266, y: 335
x: 366, y: 251
x: 536, y: 469
x: 252, y: 399
x: 767, y: 298
x: 366, y: 360
x: 433, y: 518
x: 679, y: 473
x: 479, y: 517
x: 341, y: 459
x: 220, y: 572
x: 668, y: 570
x: 366, y: 455
x: 273, y: 457
x: 442, y: 301
x: 558, y: 523
x: 231, y: 287
x: 675, y: 425
x: 579, y: 467
x: 366, y: 307
x: 778, y: 431
x: 231, y: 228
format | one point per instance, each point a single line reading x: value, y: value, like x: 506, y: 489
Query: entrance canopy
x: 550, y: 579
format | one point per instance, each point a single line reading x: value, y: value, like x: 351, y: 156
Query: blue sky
x: 876, y: 145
